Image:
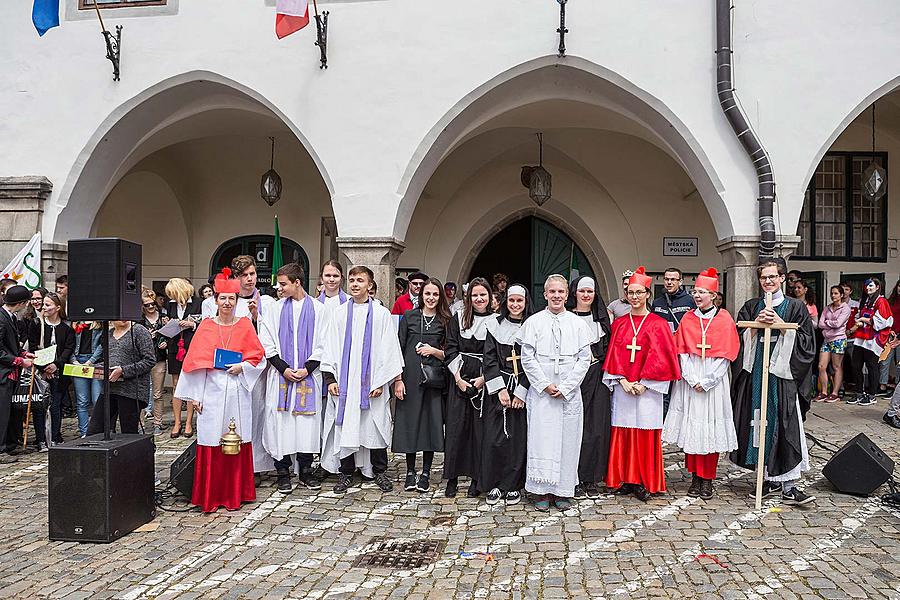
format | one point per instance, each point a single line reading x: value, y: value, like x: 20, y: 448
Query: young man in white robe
x: 254, y: 306
x: 293, y: 335
x: 220, y: 391
x: 556, y: 354
x: 361, y: 360
x: 700, y: 420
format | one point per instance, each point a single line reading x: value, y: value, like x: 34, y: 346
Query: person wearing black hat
x: 15, y: 299
x: 410, y: 299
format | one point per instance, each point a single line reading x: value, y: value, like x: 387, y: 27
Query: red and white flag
x: 291, y: 16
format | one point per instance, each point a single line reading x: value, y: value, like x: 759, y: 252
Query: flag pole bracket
x: 562, y: 31
x: 113, y: 49
x: 322, y: 38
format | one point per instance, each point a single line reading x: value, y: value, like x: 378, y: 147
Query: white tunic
x: 637, y: 412
x: 362, y: 430
x: 223, y: 397
x: 701, y: 422
x: 285, y: 433
x: 555, y: 350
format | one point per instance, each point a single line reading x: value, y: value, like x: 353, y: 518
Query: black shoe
x: 579, y: 491
x: 309, y: 481
x: 867, y: 400
x: 592, y: 490
x: 320, y: 473
x: 796, y: 497
x: 423, y: 483
x: 706, y: 489
x: 770, y: 488
x: 450, y: 490
x: 624, y: 490
x: 383, y: 482
x: 283, y: 482
x: 694, y: 490
x: 343, y: 483
x: 494, y: 496
x: 641, y: 493
x: 410, y: 484
x: 473, y: 492
x: 893, y: 421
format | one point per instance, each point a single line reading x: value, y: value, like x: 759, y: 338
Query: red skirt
x: 223, y: 480
x: 635, y: 456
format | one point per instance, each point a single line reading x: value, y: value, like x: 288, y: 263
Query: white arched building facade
x: 405, y: 153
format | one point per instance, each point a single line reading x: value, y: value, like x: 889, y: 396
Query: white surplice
x: 701, y: 422
x: 555, y: 349
x: 361, y: 430
x: 223, y: 397
x: 284, y: 432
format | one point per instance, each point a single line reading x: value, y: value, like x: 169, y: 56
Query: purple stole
x: 345, y: 362
x: 303, y: 393
x: 341, y: 295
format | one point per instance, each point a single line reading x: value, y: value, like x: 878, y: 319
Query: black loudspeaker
x: 104, y: 280
x: 100, y: 490
x: 860, y: 467
x: 181, y: 472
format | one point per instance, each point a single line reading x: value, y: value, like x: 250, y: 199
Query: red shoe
x: 831, y: 399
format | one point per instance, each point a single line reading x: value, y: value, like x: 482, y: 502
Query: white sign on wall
x: 676, y: 246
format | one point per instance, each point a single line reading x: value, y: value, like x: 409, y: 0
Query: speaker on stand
x: 102, y: 487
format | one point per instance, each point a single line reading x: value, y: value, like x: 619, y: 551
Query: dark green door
x: 552, y: 251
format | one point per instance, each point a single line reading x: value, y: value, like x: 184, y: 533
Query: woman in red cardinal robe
x: 700, y: 420
x: 640, y: 363
x: 221, y: 393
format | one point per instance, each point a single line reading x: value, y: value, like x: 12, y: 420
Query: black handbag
x: 433, y: 375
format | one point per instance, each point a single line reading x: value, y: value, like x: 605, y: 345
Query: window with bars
x: 838, y: 222
x: 89, y: 4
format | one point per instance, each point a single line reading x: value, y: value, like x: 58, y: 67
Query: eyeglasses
x: 416, y: 283
x: 768, y: 277
x: 635, y: 294
x: 699, y: 292
x: 149, y: 305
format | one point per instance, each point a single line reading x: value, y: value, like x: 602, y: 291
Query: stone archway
x: 205, y: 138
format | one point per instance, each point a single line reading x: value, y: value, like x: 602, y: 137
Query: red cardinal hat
x: 224, y: 284
x: 708, y: 280
x: 641, y: 278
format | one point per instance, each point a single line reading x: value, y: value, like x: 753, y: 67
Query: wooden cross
x: 764, y: 397
x: 633, y: 347
x: 703, y: 346
x: 514, y: 359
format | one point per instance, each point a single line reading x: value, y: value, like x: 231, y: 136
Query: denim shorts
x: 835, y: 346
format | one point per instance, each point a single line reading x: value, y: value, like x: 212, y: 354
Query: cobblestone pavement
x: 303, y: 545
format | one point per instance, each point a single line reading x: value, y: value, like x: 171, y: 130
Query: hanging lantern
x: 537, y: 179
x: 874, y: 178
x: 270, y: 185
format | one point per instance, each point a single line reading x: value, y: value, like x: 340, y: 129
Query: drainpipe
x: 738, y: 122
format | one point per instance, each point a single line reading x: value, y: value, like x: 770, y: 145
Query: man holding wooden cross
x: 791, y: 352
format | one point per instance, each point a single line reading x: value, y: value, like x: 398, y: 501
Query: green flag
x: 277, y: 260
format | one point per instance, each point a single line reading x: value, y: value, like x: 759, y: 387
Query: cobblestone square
x: 303, y: 545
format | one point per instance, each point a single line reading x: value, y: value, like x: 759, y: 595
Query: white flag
x: 26, y: 266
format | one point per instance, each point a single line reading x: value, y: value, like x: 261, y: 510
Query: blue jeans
x: 86, y: 393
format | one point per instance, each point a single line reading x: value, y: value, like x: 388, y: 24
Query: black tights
x: 864, y: 356
x: 427, y: 459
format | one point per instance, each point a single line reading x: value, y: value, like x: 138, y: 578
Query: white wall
x: 401, y: 69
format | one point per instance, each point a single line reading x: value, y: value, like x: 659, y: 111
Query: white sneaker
x: 494, y: 496
x: 513, y: 497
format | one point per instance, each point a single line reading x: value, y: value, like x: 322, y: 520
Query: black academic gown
x: 419, y: 417
x: 463, y: 430
x: 594, y: 458
x: 504, y: 430
x: 785, y: 452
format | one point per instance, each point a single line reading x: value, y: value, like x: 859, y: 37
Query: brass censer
x: 231, y: 441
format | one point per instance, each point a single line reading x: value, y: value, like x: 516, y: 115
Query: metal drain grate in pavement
x: 400, y: 554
